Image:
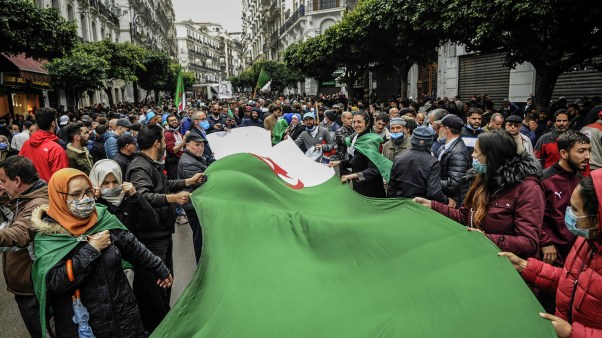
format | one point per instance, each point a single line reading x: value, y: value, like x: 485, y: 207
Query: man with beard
x: 546, y: 149
x: 175, y: 143
x: 594, y: 132
x: 558, y: 183
x: 146, y: 174
x: 199, y: 126
x: 78, y: 154
x: 314, y: 136
x: 253, y: 121
x: 472, y: 129
x: 217, y: 120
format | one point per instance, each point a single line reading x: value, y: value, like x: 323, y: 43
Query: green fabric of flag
x: 279, y: 129
x: 263, y: 78
x: 180, y: 99
x: 368, y: 144
x: 50, y: 249
x: 324, y: 261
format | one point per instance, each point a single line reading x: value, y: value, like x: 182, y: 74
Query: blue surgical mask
x: 204, y: 125
x: 570, y: 219
x: 395, y: 136
x: 478, y: 166
x: 3, y: 146
x: 310, y: 129
x: 127, y: 133
x: 15, y: 133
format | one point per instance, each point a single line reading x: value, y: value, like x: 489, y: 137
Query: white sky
x: 225, y: 12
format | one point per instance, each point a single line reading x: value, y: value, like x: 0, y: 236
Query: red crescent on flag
x: 291, y: 182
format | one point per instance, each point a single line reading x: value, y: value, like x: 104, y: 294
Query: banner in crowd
x: 289, y: 251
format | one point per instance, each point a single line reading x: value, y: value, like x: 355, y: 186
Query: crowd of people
x: 91, y: 197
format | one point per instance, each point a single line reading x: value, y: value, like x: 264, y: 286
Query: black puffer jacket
x: 416, y: 174
x: 99, y: 276
x: 132, y: 210
x: 455, y: 163
x: 152, y: 184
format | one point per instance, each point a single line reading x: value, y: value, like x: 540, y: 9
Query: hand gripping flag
x: 180, y: 99
x: 298, y: 254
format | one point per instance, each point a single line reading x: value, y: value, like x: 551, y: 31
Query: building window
x: 94, y: 34
x: 84, y: 25
x: 70, y: 13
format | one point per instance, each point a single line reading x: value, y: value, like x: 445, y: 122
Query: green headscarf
x: 368, y: 145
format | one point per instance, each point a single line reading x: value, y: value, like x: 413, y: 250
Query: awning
x: 28, y: 68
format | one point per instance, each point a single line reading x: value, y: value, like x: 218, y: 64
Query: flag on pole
x: 285, y: 265
x: 263, y: 80
x: 180, y: 100
x: 266, y: 88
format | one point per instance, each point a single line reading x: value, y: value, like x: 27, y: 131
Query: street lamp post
x: 138, y: 20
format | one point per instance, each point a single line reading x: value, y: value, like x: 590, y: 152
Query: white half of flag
x: 182, y: 104
x: 266, y: 88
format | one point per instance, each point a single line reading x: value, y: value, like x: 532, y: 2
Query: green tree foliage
x: 282, y: 76
x: 78, y: 72
x: 39, y: 33
x: 552, y: 35
x: 124, y: 60
x: 157, y: 72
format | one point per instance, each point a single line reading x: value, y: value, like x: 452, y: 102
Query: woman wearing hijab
x: 79, y: 248
x: 578, y: 284
x: 120, y: 198
x: 295, y: 127
x: 368, y: 166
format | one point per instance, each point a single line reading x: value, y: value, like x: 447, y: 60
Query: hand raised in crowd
x: 180, y: 198
x: 451, y: 203
x: 186, y: 135
x: 518, y: 263
x: 549, y: 254
x: 423, y: 201
x: 562, y: 327
x: 100, y: 240
x: 197, y: 178
x: 533, y: 125
x: 128, y: 188
x: 165, y: 283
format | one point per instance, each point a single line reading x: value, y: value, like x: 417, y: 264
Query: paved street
x: 10, y: 319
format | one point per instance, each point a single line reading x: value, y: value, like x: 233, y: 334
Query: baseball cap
x: 63, y: 120
x: 124, y: 123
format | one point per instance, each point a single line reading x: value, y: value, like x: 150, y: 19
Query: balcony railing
x: 293, y: 19
x: 318, y: 5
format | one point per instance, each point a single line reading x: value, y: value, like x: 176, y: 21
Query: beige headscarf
x: 99, y: 172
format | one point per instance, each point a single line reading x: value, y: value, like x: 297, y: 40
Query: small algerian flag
x: 180, y: 99
x: 303, y: 255
x: 264, y: 78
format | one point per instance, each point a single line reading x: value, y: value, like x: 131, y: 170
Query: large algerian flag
x: 263, y: 81
x: 298, y: 254
x: 180, y: 99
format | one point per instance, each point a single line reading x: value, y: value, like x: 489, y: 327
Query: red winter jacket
x: 46, y: 154
x: 515, y: 212
x: 583, y: 264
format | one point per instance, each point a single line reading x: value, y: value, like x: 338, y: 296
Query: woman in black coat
x: 368, y: 166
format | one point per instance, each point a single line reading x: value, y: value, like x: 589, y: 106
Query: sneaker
x: 182, y: 219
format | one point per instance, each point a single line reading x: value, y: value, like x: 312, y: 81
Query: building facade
x: 208, y: 51
x: 465, y: 74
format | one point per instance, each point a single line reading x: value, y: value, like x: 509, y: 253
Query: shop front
x: 23, y: 85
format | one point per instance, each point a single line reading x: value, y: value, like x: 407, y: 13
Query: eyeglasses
x: 79, y: 195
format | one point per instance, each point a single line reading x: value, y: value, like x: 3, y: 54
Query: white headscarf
x: 99, y: 172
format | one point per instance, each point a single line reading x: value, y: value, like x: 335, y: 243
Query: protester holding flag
x: 72, y: 228
x: 578, y: 283
x: 368, y: 166
x: 506, y: 201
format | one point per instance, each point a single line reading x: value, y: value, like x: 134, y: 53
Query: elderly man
x: 523, y: 143
x: 454, y: 160
x: 119, y: 127
x: 19, y: 179
x: 192, y: 162
x: 399, y: 143
x: 416, y: 173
